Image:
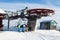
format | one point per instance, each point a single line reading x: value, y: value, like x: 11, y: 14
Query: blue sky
x: 27, y: 1
x: 17, y: 0
x: 53, y: 2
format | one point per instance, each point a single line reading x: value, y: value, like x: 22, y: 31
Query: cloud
x: 16, y: 6
x: 55, y: 3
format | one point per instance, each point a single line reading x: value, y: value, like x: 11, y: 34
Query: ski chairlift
x: 34, y: 14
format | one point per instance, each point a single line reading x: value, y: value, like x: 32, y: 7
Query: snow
x: 2, y: 11
x: 33, y: 35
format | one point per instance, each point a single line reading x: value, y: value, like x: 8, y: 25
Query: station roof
x: 40, y: 10
x: 49, y: 21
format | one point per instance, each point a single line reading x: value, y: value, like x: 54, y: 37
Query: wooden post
x: 1, y: 26
x: 8, y: 22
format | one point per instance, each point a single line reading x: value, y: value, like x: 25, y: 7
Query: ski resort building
x: 48, y: 25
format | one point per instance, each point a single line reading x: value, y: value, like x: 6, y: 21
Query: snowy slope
x: 36, y: 35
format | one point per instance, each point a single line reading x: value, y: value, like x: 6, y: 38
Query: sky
x: 20, y: 4
x: 53, y: 2
x: 14, y: 5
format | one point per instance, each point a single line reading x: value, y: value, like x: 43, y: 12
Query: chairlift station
x: 31, y: 14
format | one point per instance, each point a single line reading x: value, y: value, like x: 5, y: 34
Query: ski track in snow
x: 34, y: 35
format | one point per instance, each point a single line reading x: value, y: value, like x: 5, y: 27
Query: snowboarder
x: 22, y: 27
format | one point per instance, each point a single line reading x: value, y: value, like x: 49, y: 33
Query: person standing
x: 26, y: 28
x: 22, y: 28
x: 18, y: 26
